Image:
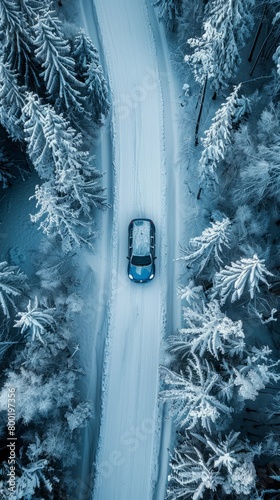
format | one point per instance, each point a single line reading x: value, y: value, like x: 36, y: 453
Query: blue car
x: 141, y: 250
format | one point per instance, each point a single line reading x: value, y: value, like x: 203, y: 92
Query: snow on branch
x: 219, y: 135
x: 208, y: 332
x: 202, y: 465
x: 216, y: 53
x: 209, y: 245
x: 12, y: 284
x: 242, y: 275
x: 193, y: 395
x: 35, y: 321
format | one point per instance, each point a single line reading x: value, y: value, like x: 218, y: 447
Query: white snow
x: 141, y: 238
x: 133, y: 455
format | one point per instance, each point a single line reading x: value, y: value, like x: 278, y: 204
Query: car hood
x: 141, y: 272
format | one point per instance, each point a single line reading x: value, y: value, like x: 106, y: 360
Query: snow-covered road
x: 129, y: 421
x: 129, y: 445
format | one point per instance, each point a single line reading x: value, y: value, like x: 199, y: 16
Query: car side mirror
x: 155, y: 258
x: 127, y: 258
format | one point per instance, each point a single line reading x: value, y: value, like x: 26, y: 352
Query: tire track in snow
x: 129, y: 420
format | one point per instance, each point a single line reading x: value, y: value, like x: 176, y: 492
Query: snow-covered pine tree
x: 216, y: 52
x: 74, y: 174
x: 208, y: 332
x: 192, y: 293
x: 191, y: 474
x: 79, y: 416
x: 209, y: 247
x: 12, y: 284
x: 202, y: 465
x: 242, y: 275
x: 255, y: 372
x: 97, y: 92
x: 37, y: 147
x: 84, y: 52
x: 193, y: 393
x: 217, y: 139
x: 54, y: 54
x: 35, y: 321
x: 11, y: 101
x: 170, y: 10
x: 16, y: 21
x: 41, y: 396
x: 59, y: 217
x: 259, y: 152
x: 91, y: 73
x: 31, y: 479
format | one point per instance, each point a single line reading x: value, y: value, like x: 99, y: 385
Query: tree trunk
x: 200, y: 112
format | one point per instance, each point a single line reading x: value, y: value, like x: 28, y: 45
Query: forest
x: 53, y: 99
x: 220, y: 378
x: 221, y: 371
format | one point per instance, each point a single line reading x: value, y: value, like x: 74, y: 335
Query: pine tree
x: 217, y: 139
x: 17, y: 20
x: 255, y: 372
x: 11, y: 101
x: 79, y: 416
x: 91, y: 73
x: 12, y: 284
x: 202, y: 465
x: 209, y: 247
x: 216, y: 52
x: 84, y: 53
x: 54, y: 54
x: 37, y: 146
x: 30, y: 479
x: 242, y: 275
x: 59, y: 217
x: 259, y: 178
x: 208, y: 331
x: 193, y: 395
x: 170, y: 10
x: 35, y: 321
x: 97, y: 92
x: 42, y: 397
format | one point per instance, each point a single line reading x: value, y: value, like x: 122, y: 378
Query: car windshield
x: 139, y: 260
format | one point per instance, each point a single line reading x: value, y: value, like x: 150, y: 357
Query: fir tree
x: 259, y: 178
x: 193, y: 394
x: 202, y: 466
x: 12, y: 284
x: 91, y: 73
x: 209, y: 246
x: 208, y: 331
x: 54, y: 54
x: 11, y: 101
x: 59, y: 217
x: 216, y: 52
x: 218, y: 137
x: 170, y: 10
x: 37, y: 146
x: 35, y: 320
x: 242, y: 275
x: 84, y: 53
x: 17, y: 20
